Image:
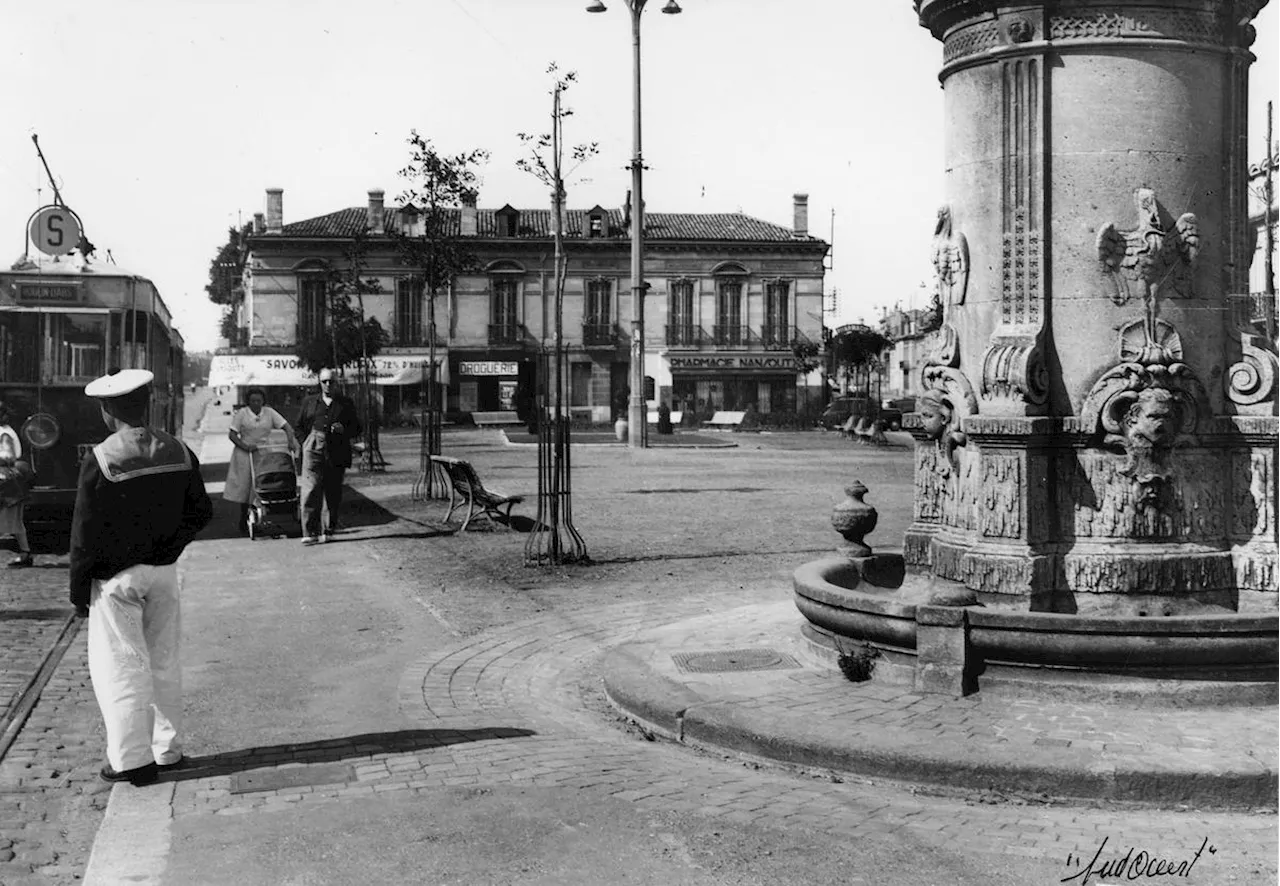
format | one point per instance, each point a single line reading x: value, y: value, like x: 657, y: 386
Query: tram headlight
x: 41, y: 431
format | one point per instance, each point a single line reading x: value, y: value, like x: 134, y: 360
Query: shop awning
x: 282, y: 370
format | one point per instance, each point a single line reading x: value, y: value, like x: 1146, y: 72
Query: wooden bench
x: 465, y: 488
x: 483, y: 419
x: 724, y: 420
x: 675, y: 418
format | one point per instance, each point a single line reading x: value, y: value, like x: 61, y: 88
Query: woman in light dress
x: 11, y: 511
x: 250, y: 428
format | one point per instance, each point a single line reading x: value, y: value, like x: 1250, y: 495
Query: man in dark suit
x: 326, y: 426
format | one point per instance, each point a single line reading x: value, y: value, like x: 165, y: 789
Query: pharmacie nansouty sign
x: 284, y: 370
x: 779, y: 363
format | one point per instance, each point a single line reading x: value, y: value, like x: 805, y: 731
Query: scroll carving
x: 1251, y: 383
x: 1013, y: 369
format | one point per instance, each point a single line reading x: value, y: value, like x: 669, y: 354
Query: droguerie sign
x: 779, y: 364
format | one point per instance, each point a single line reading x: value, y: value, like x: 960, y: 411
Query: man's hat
x: 117, y: 384
x: 325, y: 373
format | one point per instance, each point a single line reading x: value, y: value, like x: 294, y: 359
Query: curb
x: 675, y: 712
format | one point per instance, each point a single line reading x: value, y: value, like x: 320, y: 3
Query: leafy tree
x: 436, y: 185
x: 227, y: 268
x: 859, y: 348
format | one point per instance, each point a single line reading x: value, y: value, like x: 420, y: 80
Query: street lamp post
x: 637, y: 417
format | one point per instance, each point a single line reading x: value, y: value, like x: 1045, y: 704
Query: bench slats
x: 465, y: 487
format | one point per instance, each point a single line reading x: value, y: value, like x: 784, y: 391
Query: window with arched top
x: 312, y: 276
x: 731, y: 279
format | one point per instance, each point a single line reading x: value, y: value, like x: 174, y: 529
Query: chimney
x: 259, y: 222
x: 469, y: 223
x: 275, y: 210
x: 801, y: 226
x: 375, y: 211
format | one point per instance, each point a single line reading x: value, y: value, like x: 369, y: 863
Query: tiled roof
x: 536, y: 224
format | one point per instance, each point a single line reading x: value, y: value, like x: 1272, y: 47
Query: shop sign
x: 283, y: 370
x: 488, y: 367
x: 739, y: 361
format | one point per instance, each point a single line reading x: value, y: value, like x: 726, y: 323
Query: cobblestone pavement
x: 479, y: 697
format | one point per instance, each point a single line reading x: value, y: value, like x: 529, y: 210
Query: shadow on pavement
x: 334, y: 750
x: 358, y: 512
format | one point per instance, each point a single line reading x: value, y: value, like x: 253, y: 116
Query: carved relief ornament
x: 950, y: 260
x: 1151, y: 259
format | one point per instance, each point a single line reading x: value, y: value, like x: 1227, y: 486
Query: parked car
x: 841, y: 408
x: 893, y: 411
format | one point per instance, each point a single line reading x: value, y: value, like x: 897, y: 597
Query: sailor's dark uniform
x: 140, y: 502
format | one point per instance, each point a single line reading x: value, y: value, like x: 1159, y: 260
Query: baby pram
x: 273, y: 490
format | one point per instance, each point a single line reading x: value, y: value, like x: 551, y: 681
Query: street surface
x: 436, y: 702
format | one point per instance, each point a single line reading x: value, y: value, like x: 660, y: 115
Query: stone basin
x: 876, y: 602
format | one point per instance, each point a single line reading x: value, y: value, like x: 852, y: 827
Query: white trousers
x: 135, y: 631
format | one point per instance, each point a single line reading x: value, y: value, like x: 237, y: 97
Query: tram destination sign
x: 49, y: 293
x: 779, y: 363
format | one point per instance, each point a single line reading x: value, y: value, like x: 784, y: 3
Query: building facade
x: 728, y: 298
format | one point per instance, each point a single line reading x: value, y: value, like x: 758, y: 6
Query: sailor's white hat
x: 117, y: 384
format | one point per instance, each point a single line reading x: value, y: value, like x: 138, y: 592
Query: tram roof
x: 39, y: 265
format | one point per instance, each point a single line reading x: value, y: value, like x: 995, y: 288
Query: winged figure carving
x: 1149, y: 259
x: 950, y: 260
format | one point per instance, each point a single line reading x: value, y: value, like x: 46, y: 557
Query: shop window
x: 579, y: 384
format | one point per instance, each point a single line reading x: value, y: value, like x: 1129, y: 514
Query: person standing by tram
x: 251, y: 427
x: 14, y: 486
x: 327, y: 423
x: 140, y: 501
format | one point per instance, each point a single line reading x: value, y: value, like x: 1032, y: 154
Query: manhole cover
x: 733, y: 660
x: 294, y: 777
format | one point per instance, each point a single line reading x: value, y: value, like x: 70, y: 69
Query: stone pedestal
x: 1098, y: 428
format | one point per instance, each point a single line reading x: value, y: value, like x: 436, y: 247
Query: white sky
x: 166, y: 120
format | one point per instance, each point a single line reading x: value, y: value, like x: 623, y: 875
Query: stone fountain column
x: 1098, y: 426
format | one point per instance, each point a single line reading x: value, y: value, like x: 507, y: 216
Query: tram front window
x: 19, y: 347
x: 75, y: 345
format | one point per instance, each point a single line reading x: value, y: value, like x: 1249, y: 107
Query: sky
x: 165, y: 121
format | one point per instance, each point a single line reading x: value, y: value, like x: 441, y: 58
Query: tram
x: 64, y: 321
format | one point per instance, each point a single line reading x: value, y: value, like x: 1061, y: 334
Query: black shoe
x: 22, y: 561
x: 143, y: 775
x: 169, y: 767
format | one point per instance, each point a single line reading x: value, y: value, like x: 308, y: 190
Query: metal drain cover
x: 293, y: 777
x: 759, y: 659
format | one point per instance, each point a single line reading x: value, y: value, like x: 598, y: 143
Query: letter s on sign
x: 54, y: 230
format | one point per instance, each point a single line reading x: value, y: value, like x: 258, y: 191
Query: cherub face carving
x: 935, y: 415
x: 1153, y: 419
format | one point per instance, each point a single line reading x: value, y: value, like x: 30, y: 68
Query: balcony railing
x: 413, y: 337
x: 599, y: 335
x: 781, y: 338
x: 723, y: 336
x: 505, y: 334
x: 684, y: 336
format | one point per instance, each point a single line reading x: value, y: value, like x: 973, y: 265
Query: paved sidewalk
x: 799, y: 709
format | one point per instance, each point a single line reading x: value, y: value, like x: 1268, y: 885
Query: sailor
x: 140, y: 502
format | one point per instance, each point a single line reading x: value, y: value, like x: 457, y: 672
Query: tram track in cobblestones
x: 16, y: 713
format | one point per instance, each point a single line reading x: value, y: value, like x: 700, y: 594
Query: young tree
x: 556, y: 540
x: 436, y: 186
x: 858, y: 347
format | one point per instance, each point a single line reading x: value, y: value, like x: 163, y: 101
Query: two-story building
x: 728, y: 297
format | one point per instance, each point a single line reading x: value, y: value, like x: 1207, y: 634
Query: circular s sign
x: 55, y: 230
